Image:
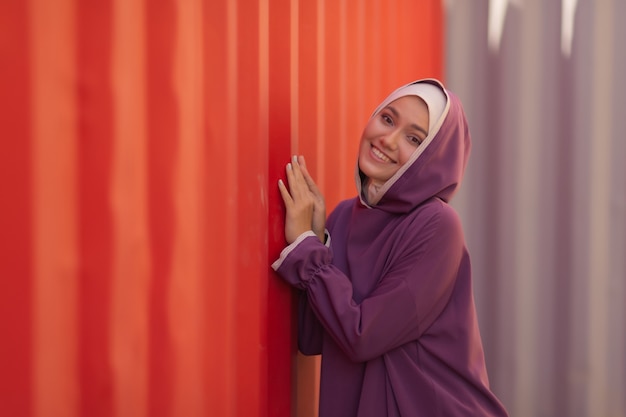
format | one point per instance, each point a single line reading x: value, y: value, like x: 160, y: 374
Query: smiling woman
x: 385, y: 285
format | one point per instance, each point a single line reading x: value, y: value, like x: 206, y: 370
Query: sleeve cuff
x: 285, y: 252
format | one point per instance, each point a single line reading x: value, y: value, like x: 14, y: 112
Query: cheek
x: 364, y: 143
x: 405, y: 153
x: 371, y: 129
x: 364, y: 149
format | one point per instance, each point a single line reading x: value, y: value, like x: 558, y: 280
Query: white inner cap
x: 433, y: 96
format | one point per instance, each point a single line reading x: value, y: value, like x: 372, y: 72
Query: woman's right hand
x: 306, y: 209
x: 319, y: 210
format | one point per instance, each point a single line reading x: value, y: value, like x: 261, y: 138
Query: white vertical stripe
x: 568, y: 15
x: 497, y: 15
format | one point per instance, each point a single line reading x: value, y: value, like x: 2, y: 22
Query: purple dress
x: 388, y: 300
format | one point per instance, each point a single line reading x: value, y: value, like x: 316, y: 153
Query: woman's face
x: 391, y: 136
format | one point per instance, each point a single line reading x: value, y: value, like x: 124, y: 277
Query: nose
x: 390, y: 140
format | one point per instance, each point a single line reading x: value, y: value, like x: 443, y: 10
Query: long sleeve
x: 310, y: 330
x: 408, y: 297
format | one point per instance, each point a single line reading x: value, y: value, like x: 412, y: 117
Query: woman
x: 386, y: 294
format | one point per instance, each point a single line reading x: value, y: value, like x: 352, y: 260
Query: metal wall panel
x: 142, y: 143
x: 545, y: 213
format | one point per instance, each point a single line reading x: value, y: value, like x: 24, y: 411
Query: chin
x: 372, y: 175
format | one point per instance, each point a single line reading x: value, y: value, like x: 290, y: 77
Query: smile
x: 381, y: 155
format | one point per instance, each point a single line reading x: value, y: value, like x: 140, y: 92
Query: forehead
x: 409, y: 100
x: 410, y: 106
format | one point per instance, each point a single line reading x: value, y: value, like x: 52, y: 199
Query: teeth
x: 380, y: 155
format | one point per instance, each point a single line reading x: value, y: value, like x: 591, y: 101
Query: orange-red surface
x: 141, y: 146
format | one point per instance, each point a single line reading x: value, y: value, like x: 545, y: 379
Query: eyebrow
x: 413, y: 125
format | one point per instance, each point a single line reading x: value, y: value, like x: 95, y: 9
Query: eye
x: 387, y: 119
x: 414, y: 140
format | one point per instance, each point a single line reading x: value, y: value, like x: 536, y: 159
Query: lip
x: 377, y: 158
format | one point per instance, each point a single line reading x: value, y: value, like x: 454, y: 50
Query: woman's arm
x: 400, y: 308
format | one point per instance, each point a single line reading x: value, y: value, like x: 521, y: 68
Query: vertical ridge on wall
x: 355, y: 91
x: 94, y: 104
x: 307, y: 69
x: 320, y: 90
x: 162, y: 129
x: 600, y: 399
x: 185, y: 303
x: 190, y: 398
x: 305, y: 141
x: 55, y: 257
x: 263, y: 110
x: 220, y: 175
x: 251, y: 183
x: 280, y: 322
x: 330, y: 151
x: 130, y: 279
x: 16, y: 239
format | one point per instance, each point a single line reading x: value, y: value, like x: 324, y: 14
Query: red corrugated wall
x: 141, y: 145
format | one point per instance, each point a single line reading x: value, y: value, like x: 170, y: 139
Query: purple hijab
x: 388, y: 301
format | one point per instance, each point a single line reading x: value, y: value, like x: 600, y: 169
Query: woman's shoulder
x: 436, y: 207
x: 434, y: 214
